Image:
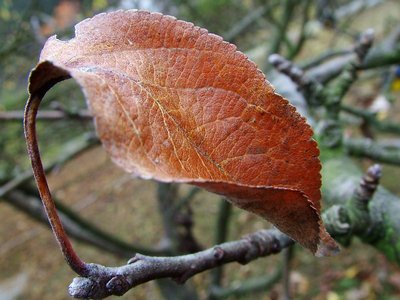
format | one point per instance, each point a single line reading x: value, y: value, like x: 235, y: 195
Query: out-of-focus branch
x: 47, y: 115
x: 366, y: 148
x: 330, y: 128
x: 70, y: 150
x: 354, y: 7
x: 314, y: 62
x: 285, y: 66
x: 177, y: 223
x: 282, y: 25
x: 380, y: 226
x: 303, y: 34
x: 312, y: 90
x: 385, y: 59
x: 75, y: 226
x: 287, y: 262
x: 371, y: 119
x: 178, y: 236
x: 348, y: 75
x: 245, y: 23
x: 384, y: 54
x: 390, y: 143
x: 222, y: 226
x: 252, y: 286
x: 185, y: 200
x: 367, y: 187
x: 327, y: 96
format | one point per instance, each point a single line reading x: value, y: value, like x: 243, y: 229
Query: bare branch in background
x: 47, y: 115
x: 245, y: 23
x: 384, y: 54
x: 221, y: 233
x: 78, y: 228
x: 370, y: 149
x: 288, y: 254
x: 70, y: 150
x: 249, y: 286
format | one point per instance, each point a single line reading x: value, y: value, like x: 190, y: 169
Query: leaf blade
x: 175, y: 103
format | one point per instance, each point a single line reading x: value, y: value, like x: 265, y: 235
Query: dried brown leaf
x: 178, y: 104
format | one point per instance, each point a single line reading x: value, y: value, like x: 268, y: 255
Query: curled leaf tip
x: 327, y: 245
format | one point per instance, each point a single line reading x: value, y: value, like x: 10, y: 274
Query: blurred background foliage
x: 300, y: 30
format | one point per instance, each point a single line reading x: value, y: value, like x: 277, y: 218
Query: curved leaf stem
x: 73, y: 260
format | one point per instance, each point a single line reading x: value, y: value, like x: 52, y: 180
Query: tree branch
x: 47, y: 115
x: 370, y: 118
x: 288, y: 254
x: 314, y: 62
x: 78, y: 228
x: 384, y: 54
x: 253, y: 285
x: 177, y: 219
x: 222, y: 226
x: 104, y: 281
x: 303, y: 34
x: 245, y: 23
x: 369, y: 149
x: 280, y: 34
x: 69, y: 150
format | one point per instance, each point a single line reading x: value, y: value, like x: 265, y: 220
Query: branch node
x: 286, y: 67
x: 134, y: 259
x: 118, y: 285
x: 219, y: 253
x: 336, y: 220
x: 275, y: 246
x: 364, y: 44
x: 368, y: 185
x: 358, y: 207
x: 264, y: 244
x: 329, y: 132
x: 83, y: 288
x: 186, y: 275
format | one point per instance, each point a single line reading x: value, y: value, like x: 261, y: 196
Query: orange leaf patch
x: 178, y: 104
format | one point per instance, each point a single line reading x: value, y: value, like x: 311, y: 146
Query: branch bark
x: 141, y: 268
